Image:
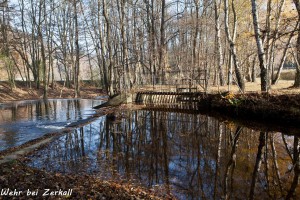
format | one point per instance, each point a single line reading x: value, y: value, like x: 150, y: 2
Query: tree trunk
x: 253, y: 70
x: 296, y: 166
x: 162, y: 49
x: 297, y: 76
x: 282, y: 60
x: 195, y: 38
x: 231, y: 40
x: 43, y: 61
x: 109, y: 47
x: 260, y: 152
x: 76, y: 68
x: 218, y: 41
x: 126, y: 75
x: 273, y: 44
x: 260, y: 49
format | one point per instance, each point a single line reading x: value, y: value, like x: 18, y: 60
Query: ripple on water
x: 23, y: 121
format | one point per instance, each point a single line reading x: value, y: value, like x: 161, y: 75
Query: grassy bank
x: 280, y: 110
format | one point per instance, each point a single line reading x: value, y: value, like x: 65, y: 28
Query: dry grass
x: 25, y: 93
x: 288, y: 74
x: 282, y: 87
x: 22, y: 92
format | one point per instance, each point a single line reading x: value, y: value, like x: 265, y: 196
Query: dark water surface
x: 192, y: 156
x: 23, y: 121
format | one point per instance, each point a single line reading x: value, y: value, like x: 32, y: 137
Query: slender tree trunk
x: 260, y: 49
x: 231, y: 40
x: 218, y: 41
x: 296, y: 165
x: 267, y: 40
x: 273, y: 44
x: 282, y: 60
x: 196, y: 33
x: 109, y: 47
x: 230, y: 166
x: 77, y: 59
x: 41, y: 41
x: 162, y: 48
x: 253, y: 70
x: 260, y: 151
x: 126, y: 75
x: 276, y: 167
x: 297, y: 76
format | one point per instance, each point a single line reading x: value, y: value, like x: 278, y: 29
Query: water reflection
x: 26, y: 120
x: 190, y: 156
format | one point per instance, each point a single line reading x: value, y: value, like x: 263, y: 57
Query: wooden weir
x: 170, y: 100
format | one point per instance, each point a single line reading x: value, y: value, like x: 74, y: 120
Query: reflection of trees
x: 262, y: 143
x: 231, y: 163
x: 296, y: 167
x: 194, y: 156
x: 277, y: 179
x: 44, y: 109
x: 26, y: 120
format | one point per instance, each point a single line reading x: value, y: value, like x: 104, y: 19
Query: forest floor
x: 16, y: 175
x: 22, y: 92
x: 279, y: 108
x: 281, y: 88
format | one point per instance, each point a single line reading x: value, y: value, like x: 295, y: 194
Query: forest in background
x: 124, y: 43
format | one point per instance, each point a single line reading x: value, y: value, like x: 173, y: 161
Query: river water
x: 191, y: 156
x: 22, y: 121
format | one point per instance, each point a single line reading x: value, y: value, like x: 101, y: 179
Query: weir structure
x: 170, y: 100
x: 182, y: 90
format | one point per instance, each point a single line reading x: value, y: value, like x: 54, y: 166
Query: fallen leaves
x: 16, y: 175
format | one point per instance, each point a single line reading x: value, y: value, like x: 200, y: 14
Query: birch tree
x: 260, y: 49
x: 231, y: 40
x: 218, y: 41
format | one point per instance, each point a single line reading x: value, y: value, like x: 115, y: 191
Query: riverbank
x: 277, y: 109
x: 23, y: 182
x: 280, y: 107
x: 22, y: 92
x: 29, y: 183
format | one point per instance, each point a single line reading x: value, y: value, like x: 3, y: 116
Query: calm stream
x: 23, y: 121
x: 191, y: 156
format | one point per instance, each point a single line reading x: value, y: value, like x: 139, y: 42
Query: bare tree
x: 297, y: 77
x: 77, y: 59
x: 260, y: 49
x: 218, y: 41
x: 231, y: 41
